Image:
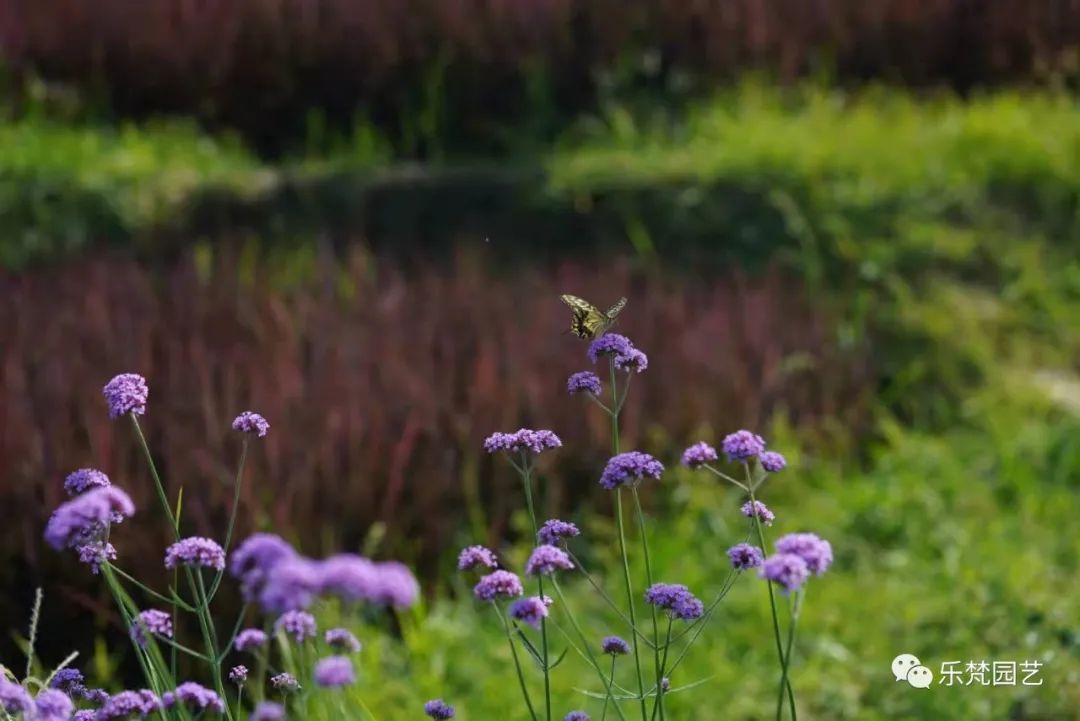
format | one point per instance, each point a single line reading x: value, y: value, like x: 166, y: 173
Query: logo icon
x: 907, y: 667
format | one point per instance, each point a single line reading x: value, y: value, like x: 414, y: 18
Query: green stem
x: 206, y: 624
x: 611, y: 680
x: 785, y: 681
x: 517, y: 662
x: 149, y: 591
x: 158, y: 485
x: 648, y: 583
x: 526, y: 479
x: 232, y: 514
x: 599, y: 589
x: 660, y: 675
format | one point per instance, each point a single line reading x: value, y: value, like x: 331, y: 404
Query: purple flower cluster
x: 284, y: 682
x: 787, y: 569
x: 85, y: 715
x: 334, y: 672
x: 521, y: 441
x: 742, y: 445
x: 95, y: 555
x: 815, y: 551
x: 153, y: 621
x: 634, y: 360
x: 69, y: 681
x: 126, y: 393
x: 14, y: 699
x: 128, y: 703
x: 194, y: 697
x: 249, y: 638
x: 196, y: 551
x: 576, y: 716
x: 676, y: 599
x: 630, y: 468
x: 772, y: 461
x: 238, y: 674
x: 532, y: 610
x: 83, y: 520
x: 253, y: 559
x: 268, y: 711
x: 476, y: 557
x: 298, y: 624
x: 80, y: 481
x: 342, y: 639
x: 698, y: 455
x: 547, y: 559
x: 612, y: 344
x: 250, y: 422
x: 439, y: 709
x: 615, y: 646
x: 51, y: 705
x: 498, y: 584
x: 555, y: 530
x: 744, y: 556
x: 584, y: 382
x: 752, y: 509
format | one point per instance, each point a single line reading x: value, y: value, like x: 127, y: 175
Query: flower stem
x: 232, y: 514
x: 607, y: 697
x: 785, y: 681
x: 526, y: 479
x: 517, y: 662
x: 648, y: 582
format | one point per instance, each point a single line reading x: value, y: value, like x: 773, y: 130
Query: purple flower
x: 744, y: 556
x: 298, y: 624
x: 95, y: 696
x: 547, y: 559
x: 53, y: 705
x: 252, y: 560
x: 238, y: 674
x: 750, y: 509
x: 156, y: 622
x: 743, y: 445
x: 196, y: 551
x: 615, y: 646
x: 811, y: 548
x: 474, y: 557
x: 193, y: 696
x: 396, y: 585
x: 268, y: 711
x: 555, y: 530
x: 688, y: 608
x: 14, y: 699
x: 284, y: 682
x: 630, y: 469
x: 95, y: 555
x: 772, y: 461
x: 290, y: 585
x: 126, y: 393
x: 250, y: 422
x: 521, y: 441
x: 249, y: 638
x: 698, y: 455
x: 334, y: 672
x: 498, y: 584
x: 69, y: 681
x: 342, y: 639
x: 84, y: 520
x: 576, y: 716
x: 633, y: 360
x: 665, y: 684
x: 82, y: 480
x: 609, y: 344
x: 439, y: 709
x: 530, y: 610
x: 787, y: 569
x: 127, y: 703
x: 676, y: 599
x: 85, y: 715
x: 348, y: 576
x: 584, y: 382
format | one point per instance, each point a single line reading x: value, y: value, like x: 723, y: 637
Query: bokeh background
x: 852, y: 226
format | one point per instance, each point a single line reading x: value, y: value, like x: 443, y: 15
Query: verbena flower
x: 475, y: 557
x: 69, y: 681
x: 80, y: 481
x: 334, y: 672
x: 84, y: 520
x: 289, y: 585
x: 284, y: 682
x: 772, y: 461
x: 194, y: 697
x: 348, y: 577
x: 750, y: 509
x: 787, y: 569
x: 438, y: 709
x: 676, y: 599
x: 630, y: 468
x: 576, y: 716
x: 615, y: 646
x: 633, y: 360
x: 811, y: 548
x: 298, y: 624
x: 555, y: 530
x: 268, y: 711
x: 238, y: 674
x: 129, y: 703
x: 51, y: 705
x: 249, y: 638
x: 153, y: 621
x: 14, y: 699
x: 195, y: 551
x: 498, y: 584
x: 522, y: 440
x: 584, y: 382
x: 85, y: 715
x: 96, y: 696
x: 95, y: 555
x: 396, y: 586
x: 342, y: 639
x: 744, y: 556
x: 743, y: 445
x: 609, y: 344
x: 698, y: 455
x: 547, y: 559
x: 126, y: 393
x: 532, y: 610
x: 250, y: 422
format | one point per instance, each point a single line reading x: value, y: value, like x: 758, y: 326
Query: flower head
x: 811, y: 548
x: 787, y: 569
x: 194, y: 697
x: 238, y: 674
x: 630, y: 468
x: 584, y: 382
x: 126, y: 393
x: 439, y: 709
x: 153, y: 621
x: 752, y: 509
x: 84, y: 479
x: 298, y: 624
x: 128, y: 703
x: 342, y: 639
x: 744, y: 556
x: 15, y: 699
x: 772, y: 461
x: 69, y: 681
x: 284, y: 682
x: 396, y: 585
x: 609, y: 344
x: 676, y: 599
x: 698, y: 455
x: 555, y: 530
x: 576, y: 716
x: 253, y: 559
x: 249, y: 638
x: 665, y: 684
x: 84, y: 520
x: 268, y: 711
x: 615, y: 646
x: 250, y: 422
x: 633, y: 360
x: 95, y: 555
x: 475, y: 557
x: 85, y: 715
x: 547, y: 559
x: 498, y: 584
x: 289, y: 585
x: 531, y: 610
x: 195, y: 551
x: 348, y: 576
x: 743, y: 445
x: 334, y: 672
x: 522, y: 440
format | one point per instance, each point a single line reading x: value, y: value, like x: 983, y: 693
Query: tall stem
x: 796, y: 607
x: 526, y: 479
x: 517, y: 662
x: 611, y: 680
x: 648, y: 582
x: 158, y: 485
x: 232, y: 514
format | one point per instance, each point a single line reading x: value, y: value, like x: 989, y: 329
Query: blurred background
x: 849, y: 225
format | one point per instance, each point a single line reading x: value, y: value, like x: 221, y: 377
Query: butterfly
x: 586, y: 320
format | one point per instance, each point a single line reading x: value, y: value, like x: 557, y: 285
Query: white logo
x: 907, y: 667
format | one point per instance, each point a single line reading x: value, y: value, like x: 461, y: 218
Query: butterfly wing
x: 586, y: 320
x: 616, y: 309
